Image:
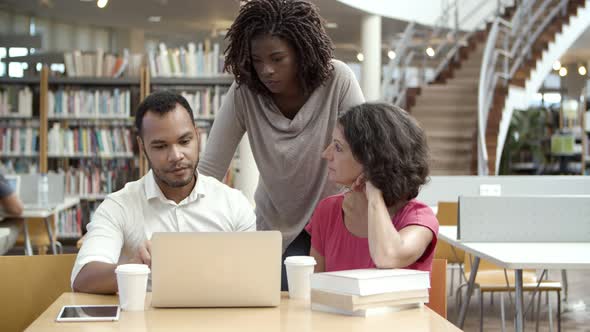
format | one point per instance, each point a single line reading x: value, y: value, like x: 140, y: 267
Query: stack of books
x: 368, y: 292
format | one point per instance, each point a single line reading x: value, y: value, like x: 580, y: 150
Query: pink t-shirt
x: 345, y: 251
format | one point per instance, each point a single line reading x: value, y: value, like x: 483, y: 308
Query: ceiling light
x: 562, y: 71
x: 360, y: 57
x: 582, y: 70
x: 332, y: 25
x: 102, y: 3
x: 556, y: 65
x: 391, y: 54
x: 430, y: 52
x: 155, y: 19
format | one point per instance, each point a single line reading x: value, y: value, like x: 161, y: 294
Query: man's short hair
x: 160, y: 102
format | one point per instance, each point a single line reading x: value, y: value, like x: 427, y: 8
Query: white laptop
x: 222, y: 269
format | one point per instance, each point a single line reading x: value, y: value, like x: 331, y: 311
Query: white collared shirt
x: 128, y: 217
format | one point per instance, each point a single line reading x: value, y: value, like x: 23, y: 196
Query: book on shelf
x: 18, y: 166
x: 370, y: 281
x: 90, y: 141
x: 69, y: 223
x: 89, y: 103
x: 95, y: 179
x: 19, y: 141
x: 205, y: 101
x: 202, y: 59
x: 375, y: 311
x: 16, y: 101
x: 101, y: 64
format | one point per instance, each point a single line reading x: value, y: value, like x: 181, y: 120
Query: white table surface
x: 524, y: 255
x: 46, y: 212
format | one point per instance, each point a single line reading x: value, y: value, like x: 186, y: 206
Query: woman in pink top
x: 379, y: 151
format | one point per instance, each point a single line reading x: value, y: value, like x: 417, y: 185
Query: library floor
x: 579, y: 290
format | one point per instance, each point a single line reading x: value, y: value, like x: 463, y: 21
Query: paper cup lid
x: 300, y: 260
x: 132, y: 269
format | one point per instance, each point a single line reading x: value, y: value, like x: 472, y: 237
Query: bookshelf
x: 91, y: 134
x: 79, y: 131
x: 19, y: 124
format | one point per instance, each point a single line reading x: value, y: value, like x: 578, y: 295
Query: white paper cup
x: 132, y: 283
x: 299, y: 270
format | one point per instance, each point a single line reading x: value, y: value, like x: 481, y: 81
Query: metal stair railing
x: 446, y: 41
x: 518, y: 37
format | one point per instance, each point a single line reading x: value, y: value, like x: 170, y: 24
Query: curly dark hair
x: 295, y: 21
x: 391, y: 147
x: 160, y: 102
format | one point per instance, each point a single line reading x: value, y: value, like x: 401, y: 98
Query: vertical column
x: 144, y: 91
x: 371, y: 47
x: 43, y: 130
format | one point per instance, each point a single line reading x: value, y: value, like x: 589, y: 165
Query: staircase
x: 447, y: 111
x: 522, y: 73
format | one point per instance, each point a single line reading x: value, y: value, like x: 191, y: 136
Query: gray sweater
x: 293, y: 176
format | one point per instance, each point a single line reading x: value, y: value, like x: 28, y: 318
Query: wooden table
x: 291, y: 315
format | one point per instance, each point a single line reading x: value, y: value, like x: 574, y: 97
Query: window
x: 2, y: 64
x: 17, y: 69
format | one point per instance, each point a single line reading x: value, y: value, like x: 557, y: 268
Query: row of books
x: 90, y: 141
x: 205, y: 102
x: 76, y: 103
x: 15, y: 141
x: 98, y: 178
x: 16, y: 101
x: 101, y: 64
x: 69, y: 223
x: 367, y: 292
x: 194, y: 60
x: 18, y: 166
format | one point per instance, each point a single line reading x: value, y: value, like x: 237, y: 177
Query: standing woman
x: 287, y: 95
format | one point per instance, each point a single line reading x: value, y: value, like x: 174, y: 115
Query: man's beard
x: 161, y: 176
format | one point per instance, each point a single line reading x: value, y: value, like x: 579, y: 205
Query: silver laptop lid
x: 222, y: 269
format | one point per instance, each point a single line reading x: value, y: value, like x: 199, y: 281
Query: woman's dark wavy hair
x: 391, y: 147
x: 295, y: 21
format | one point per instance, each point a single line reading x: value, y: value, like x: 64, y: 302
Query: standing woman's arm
x: 225, y: 135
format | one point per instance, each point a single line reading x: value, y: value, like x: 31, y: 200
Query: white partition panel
x: 449, y: 188
x: 559, y: 218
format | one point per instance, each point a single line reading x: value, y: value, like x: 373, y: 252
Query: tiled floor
x: 579, y: 290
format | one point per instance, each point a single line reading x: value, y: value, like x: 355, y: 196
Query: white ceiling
x: 189, y: 20
x: 185, y: 20
x: 579, y: 52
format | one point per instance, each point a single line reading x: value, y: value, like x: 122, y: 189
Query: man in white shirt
x: 171, y: 197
